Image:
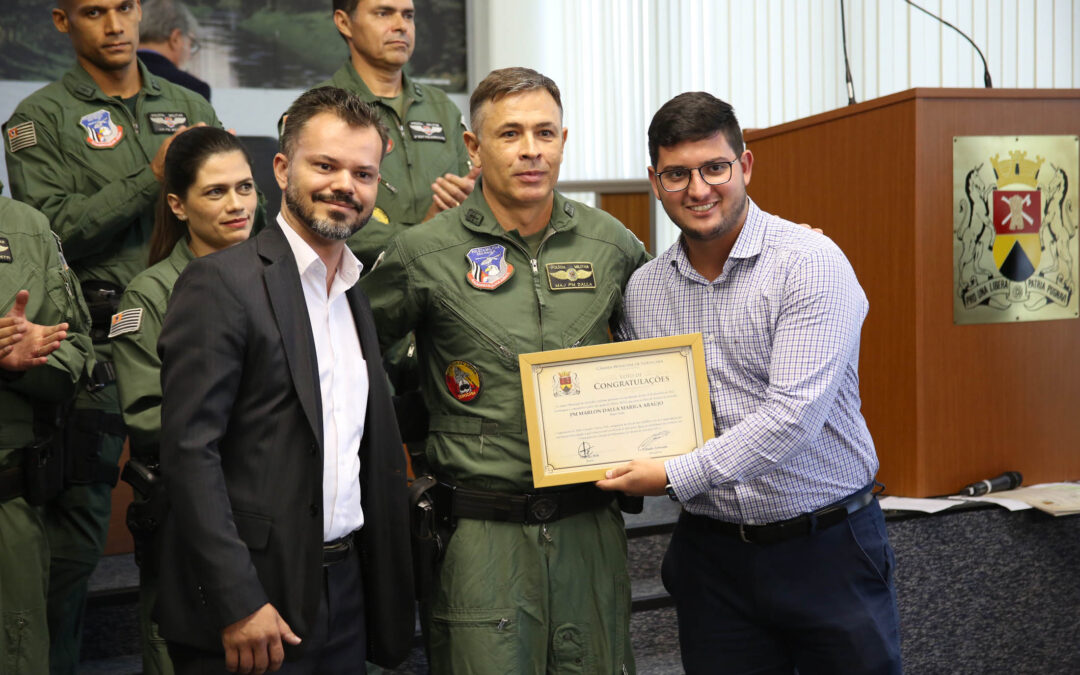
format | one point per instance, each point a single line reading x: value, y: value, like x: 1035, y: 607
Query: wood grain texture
x: 946, y: 404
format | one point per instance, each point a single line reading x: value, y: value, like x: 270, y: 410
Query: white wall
x: 617, y: 61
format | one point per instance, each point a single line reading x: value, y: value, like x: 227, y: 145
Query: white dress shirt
x: 343, y: 381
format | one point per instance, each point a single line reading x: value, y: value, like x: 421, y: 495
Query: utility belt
x: 799, y: 526
x: 39, y: 475
x: 529, y: 508
x: 84, y: 435
x: 437, y: 506
x: 103, y: 300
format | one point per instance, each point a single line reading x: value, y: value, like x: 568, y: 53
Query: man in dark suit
x: 289, y: 517
x: 167, y: 40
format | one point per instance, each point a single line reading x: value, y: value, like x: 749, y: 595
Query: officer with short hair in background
x: 88, y: 152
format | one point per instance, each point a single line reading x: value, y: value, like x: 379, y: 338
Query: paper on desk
x: 1004, y: 502
x: 913, y: 504
x: 1057, y: 499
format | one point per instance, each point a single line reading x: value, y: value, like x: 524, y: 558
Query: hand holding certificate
x: 593, y: 408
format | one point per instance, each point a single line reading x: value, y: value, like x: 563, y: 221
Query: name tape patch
x: 427, y: 131
x: 567, y: 276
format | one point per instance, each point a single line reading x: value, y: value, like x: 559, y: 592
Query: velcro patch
x: 570, y: 275
x: 166, y: 123
x: 22, y: 136
x: 5, y: 251
x: 127, y: 321
x: 426, y: 131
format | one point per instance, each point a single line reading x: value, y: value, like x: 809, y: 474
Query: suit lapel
x: 290, y: 313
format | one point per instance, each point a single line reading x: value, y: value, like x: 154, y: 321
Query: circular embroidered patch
x: 463, y: 380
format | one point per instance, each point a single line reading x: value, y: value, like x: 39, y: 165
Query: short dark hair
x: 504, y: 82
x: 693, y: 116
x: 348, y: 107
x: 186, y: 155
x: 347, y: 6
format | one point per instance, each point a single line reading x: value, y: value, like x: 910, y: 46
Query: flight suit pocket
x: 475, y: 640
x: 253, y: 529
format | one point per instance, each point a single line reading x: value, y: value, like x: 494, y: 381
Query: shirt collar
x: 476, y: 215
x: 348, y: 270
x: 747, y: 245
x: 79, y: 83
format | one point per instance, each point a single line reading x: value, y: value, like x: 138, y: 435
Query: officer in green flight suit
x: 88, y: 151
x: 426, y: 167
x: 39, y: 377
x: 532, y: 581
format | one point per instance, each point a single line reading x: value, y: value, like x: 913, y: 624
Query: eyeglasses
x: 713, y: 173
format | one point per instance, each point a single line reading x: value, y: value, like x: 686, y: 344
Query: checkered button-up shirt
x: 781, y: 328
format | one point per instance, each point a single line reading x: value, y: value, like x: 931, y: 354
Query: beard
x: 727, y: 222
x: 338, y: 226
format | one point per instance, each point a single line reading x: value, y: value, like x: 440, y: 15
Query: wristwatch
x: 671, y: 492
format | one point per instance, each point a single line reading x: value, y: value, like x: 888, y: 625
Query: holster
x: 83, y: 438
x: 103, y: 300
x: 43, y: 460
x: 43, y: 471
x: 431, y: 529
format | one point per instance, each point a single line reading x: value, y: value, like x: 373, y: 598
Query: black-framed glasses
x: 713, y: 173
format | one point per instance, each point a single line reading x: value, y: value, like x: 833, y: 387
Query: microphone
x: 847, y: 68
x: 1006, y: 481
x: 986, y: 69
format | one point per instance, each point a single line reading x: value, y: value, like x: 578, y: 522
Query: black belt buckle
x: 335, y: 551
x: 540, y: 508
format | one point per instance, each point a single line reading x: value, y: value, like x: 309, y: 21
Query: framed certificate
x: 592, y: 408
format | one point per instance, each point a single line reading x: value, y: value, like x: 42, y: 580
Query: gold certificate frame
x: 589, y: 409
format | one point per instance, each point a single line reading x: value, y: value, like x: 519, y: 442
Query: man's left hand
x: 639, y: 478
x: 448, y: 191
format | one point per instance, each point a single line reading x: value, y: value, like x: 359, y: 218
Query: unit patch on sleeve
x: 5, y: 251
x: 488, y: 267
x: 570, y: 275
x: 101, y: 131
x: 22, y: 136
x: 127, y: 321
x: 426, y: 131
x: 166, y: 123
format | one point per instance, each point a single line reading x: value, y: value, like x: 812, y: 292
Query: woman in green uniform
x: 207, y: 203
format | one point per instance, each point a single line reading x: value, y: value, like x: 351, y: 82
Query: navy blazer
x: 242, y: 457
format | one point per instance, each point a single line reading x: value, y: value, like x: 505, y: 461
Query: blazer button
x: 314, y: 510
x: 312, y: 449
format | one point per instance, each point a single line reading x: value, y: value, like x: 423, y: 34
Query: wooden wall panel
x: 634, y: 210
x: 947, y: 404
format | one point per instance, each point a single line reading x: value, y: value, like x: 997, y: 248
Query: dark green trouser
x: 24, y: 575
x: 533, y: 599
x: 77, y: 523
x: 155, y: 654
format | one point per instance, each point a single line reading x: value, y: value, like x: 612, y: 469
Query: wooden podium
x: 947, y: 405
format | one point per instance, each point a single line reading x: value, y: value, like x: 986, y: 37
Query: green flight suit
x: 425, y: 144
x: 510, y: 597
x: 138, y: 377
x: 83, y: 159
x: 31, y: 259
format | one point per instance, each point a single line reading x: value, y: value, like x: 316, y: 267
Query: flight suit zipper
x: 494, y: 344
x: 534, y: 263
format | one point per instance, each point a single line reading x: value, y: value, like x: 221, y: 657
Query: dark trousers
x: 336, y: 643
x: 819, y: 603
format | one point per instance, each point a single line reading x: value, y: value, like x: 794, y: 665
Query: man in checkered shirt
x: 780, y: 560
